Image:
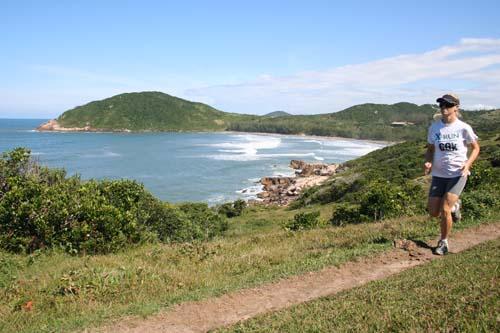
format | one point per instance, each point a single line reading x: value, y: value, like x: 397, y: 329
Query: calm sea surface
x: 208, y: 167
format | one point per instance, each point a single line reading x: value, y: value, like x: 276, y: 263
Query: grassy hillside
x: 153, y: 111
x: 156, y: 111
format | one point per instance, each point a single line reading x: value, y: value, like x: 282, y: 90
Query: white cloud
x: 417, y: 78
x: 470, y: 68
x: 479, y: 107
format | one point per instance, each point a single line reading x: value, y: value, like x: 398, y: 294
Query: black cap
x: 450, y: 99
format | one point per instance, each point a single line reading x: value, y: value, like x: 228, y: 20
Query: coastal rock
x: 263, y: 195
x: 309, y: 169
x: 283, y: 190
x: 297, y: 164
x: 53, y: 125
x: 275, y: 181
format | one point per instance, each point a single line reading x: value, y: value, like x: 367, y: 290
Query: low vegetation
x: 304, y: 221
x: 42, y: 208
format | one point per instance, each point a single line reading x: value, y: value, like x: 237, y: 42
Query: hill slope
x: 276, y: 114
x: 365, y: 121
x: 153, y: 111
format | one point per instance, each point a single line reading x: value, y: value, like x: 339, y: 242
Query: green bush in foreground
x: 346, y: 213
x: 232, y: 209
x: 42, y: 208
x: 381, y: 200
x: 302, y: 221
x: 480, y: 197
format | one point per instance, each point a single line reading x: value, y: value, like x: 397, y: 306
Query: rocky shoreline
x: 54, y: 126
x: 282, y: 191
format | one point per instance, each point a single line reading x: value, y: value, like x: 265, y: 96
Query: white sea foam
x: 288, y: 155
x: 250, y: 193
x: 351, y: 148
x: 111, y: 154
x: 314, y: 141
x: 244, y: 148
x: 286, y: 173
x: 251, y: 190
x: 216, y: 199
x: 282, y: 170
x: 105, y: 153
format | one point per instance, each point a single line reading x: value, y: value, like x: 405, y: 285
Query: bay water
x: 177, y: 167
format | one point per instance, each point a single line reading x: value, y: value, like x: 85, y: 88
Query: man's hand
x: 427, y: 167
x: 465, y: 169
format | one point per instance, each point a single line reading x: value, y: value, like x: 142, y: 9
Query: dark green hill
x: 144, y: 111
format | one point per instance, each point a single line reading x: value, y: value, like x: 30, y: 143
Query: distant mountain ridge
x: 277, y: 114
x: 157, y: 111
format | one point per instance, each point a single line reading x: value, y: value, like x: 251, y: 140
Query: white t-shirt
x: 450, y: 142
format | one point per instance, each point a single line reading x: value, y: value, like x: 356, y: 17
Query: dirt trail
x: 228, y: 309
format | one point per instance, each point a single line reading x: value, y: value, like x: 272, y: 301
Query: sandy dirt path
x: 228, y: 309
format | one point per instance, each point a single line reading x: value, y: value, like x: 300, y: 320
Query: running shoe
x: 441, y: 249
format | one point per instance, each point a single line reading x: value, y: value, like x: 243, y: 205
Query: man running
x: 448, y: 141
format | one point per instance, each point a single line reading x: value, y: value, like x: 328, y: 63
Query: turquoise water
x: 208, y: 167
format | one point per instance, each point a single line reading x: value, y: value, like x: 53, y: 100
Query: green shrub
x: 302, y: 221
x: 346, y: 213
x: 479, y: 203
x: 239, y: 206
x: 232, y: 209
x: 205, y: 222
x: 382, y: 200
x: 483, y: 174
x: 42, y: 208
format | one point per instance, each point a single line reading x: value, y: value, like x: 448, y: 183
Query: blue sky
x: 303, y: 57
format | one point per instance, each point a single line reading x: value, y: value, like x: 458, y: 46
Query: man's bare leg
x: 447, y: 204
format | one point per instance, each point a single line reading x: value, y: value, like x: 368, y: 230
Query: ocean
x: 178, y: 167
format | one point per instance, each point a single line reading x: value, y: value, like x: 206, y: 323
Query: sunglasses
x: 446, y: 105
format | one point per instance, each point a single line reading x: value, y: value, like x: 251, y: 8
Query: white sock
x: 445, y: 241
